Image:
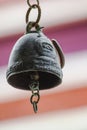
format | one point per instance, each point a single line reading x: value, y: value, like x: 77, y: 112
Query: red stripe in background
x: 52, y: 102
x: 73, y: 38
x: 3, y: 3
x: 7, y: 2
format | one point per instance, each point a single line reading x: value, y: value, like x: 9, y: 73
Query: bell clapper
x: 34, y: 87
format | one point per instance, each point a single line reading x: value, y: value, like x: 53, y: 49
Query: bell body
x: 34, y: 52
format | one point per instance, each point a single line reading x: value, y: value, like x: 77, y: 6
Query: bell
x: 34, y: 54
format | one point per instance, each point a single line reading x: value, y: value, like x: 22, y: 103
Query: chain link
x: 28, y: 2
x: 32, y: 24
x: 34, y: 87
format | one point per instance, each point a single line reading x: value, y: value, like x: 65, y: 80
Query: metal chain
x: 32, y: 24
x: 34, y: 87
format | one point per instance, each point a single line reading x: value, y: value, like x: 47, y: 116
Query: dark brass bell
x: 34, y: 53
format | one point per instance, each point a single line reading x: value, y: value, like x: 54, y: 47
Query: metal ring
x: 28, y: 2
x: 34, y: 86
x: 29, y: 10
x: 31, y: 24
x: 38, y: 98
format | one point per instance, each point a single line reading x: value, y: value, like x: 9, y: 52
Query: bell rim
x: 15, y: 73
x: 24, y: 71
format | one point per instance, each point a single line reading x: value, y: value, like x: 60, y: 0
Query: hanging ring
x: 28, y: 2
x: 31, y: 24
x: 32, y: 100
x: 29, y: 10
x: 34, y: 86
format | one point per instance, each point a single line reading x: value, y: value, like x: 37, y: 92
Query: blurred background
x: 63, y: 107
